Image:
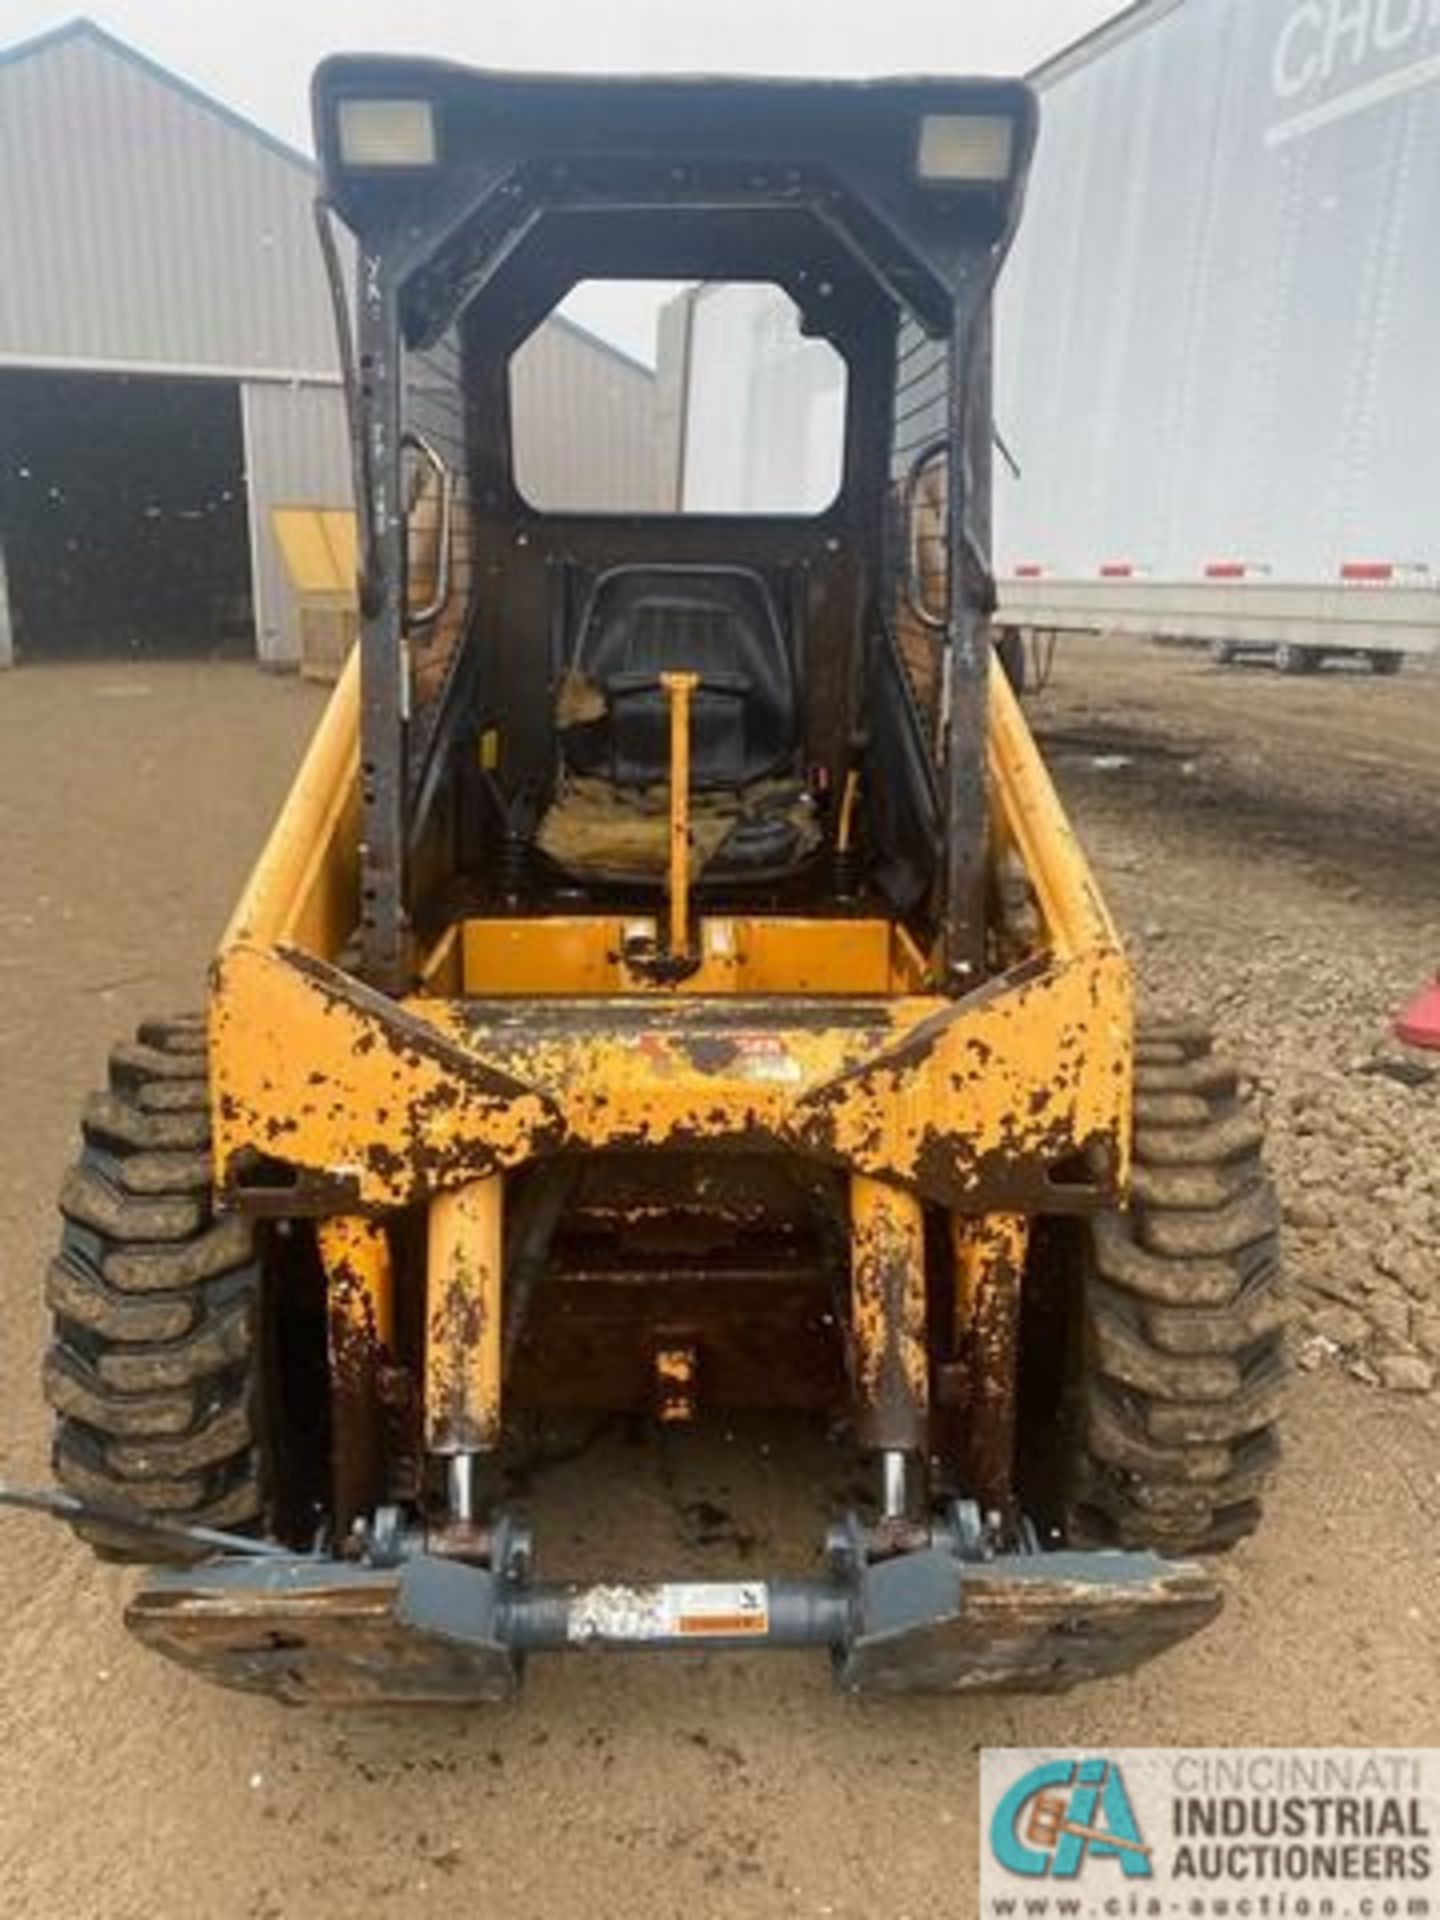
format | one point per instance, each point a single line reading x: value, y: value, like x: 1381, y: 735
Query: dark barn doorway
x: 123, y: 516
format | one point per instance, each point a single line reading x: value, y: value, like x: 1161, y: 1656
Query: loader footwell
x: 428, y: 1628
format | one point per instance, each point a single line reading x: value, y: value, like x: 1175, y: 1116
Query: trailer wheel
x: 1290, y: 659
x: 1223, y: 652
x: 153, y: 1364
x: 1387, y: 664
x: 1178, y: 1363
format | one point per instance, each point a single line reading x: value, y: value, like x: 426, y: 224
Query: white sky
x: 257, y: 55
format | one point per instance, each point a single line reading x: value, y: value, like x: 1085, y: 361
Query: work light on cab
x: 965, y: 149
x: 386, y: 133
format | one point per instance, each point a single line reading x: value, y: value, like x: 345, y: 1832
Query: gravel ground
x: 1283, y: 880
x: 1271, y: 846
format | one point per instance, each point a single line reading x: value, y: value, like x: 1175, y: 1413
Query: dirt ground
x: 1272, y: 848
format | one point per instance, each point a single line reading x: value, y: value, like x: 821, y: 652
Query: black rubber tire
x: 1181, y: 1365
x: 153, y: 1364
x: 1386, y: 664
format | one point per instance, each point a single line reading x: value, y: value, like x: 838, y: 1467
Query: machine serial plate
x: 697, y: 1610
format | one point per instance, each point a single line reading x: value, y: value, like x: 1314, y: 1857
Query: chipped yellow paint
x: 985, y: 1246
x: 462, y: 1320
x: 675, y: 1375
x: 888, y: 1317
x: 989, y: 1254
x: 355, y: 1252
x: 808, y: 1036
x: 388, y: 1102
x: 360, y: 1324
x: 314, y: 1070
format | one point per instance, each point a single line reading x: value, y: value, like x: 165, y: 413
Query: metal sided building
x: 168, y: 371
x: 1217, y: 331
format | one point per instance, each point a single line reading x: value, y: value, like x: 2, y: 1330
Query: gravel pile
x: 1300, y: 971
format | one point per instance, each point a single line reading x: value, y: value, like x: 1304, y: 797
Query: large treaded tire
x: 152, y: 1368
x: 1182, y: 1365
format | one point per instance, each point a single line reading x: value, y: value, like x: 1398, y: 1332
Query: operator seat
x: 638, y: 623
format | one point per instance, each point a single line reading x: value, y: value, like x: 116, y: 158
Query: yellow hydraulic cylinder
x: 887, y: 1317
x: 989, y: 1255
x: 679, y: 687
x: 360, y: 1301
x: 462, y: 1320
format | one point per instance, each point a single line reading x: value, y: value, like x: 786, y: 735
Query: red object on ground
x: 1419, y: 1025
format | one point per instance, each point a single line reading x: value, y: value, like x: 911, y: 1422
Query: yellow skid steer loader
x: 671, y: 984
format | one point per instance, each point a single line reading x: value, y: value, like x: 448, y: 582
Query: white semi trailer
x: 1218, y: 331
x: 1216, y: 342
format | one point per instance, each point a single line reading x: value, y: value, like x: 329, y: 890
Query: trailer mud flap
x: 433, y: 1630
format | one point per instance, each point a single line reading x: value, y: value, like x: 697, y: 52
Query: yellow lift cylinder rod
x: 888, y: 1329
x: 463, y: 1332
x: 678, y: 689
x: 360, y: 1291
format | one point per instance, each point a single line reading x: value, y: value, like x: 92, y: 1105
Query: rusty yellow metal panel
x: 314, y: 1070
x: 964, y: 1102
x: 739, y: 953
x: 808, y: 1037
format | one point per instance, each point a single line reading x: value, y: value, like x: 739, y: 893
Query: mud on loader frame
x: 484, y: 1082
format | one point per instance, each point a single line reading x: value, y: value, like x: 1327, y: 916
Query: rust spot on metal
x: 462, y: 1321
x: 355, y: 1252
x: 988, y: 1253
x: 888, y: 1329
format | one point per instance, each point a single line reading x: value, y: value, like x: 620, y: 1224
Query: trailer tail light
x: 1029, y: 570
x: 1385, y: 573
x: 1235, y: 570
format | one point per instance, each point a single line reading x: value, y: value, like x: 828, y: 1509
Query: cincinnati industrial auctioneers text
x: 1152, y: 1833
x: 1287, y: 1817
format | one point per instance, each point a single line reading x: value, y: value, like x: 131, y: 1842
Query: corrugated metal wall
x: 141, y: 227
x: 296, y: 454
x: 586, y: 429
x: 146, y: 229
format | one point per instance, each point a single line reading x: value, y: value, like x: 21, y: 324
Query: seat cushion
x: 640, y: 623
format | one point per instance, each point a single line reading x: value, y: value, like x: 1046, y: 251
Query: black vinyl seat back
x: 717, y: 622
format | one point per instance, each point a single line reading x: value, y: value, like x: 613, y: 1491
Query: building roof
x: 82, y: 28
x: 84, y: 31
x: 1090, y: 46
